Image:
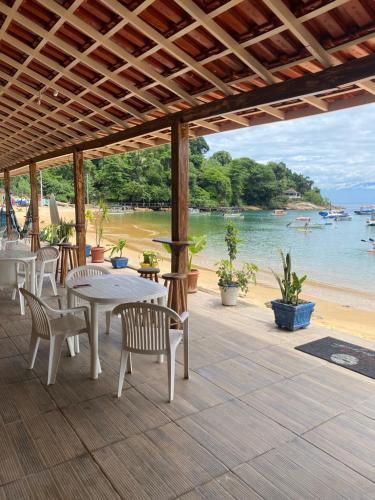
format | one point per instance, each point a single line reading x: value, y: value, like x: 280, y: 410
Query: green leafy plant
x: 89, y: 217
x: 58, y: 233
x: 290, y: 284
x: 99, y: 217
x: 196, y: 246
x: 198, y: 242
x: 227, y: 273
x: 118, y: 248
x: 151, y: 258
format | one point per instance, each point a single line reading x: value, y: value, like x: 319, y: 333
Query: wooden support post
x: 79, y: 196
x: 35, y: 243
x: 180, y: 194
x: 7, y: 200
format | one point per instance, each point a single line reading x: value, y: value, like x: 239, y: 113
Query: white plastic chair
x: 146, y: 330
x: 46, y: 262
x: 85, y: 272
x: 56, y: 330
x: 9, y: 278
x: 10, y: 240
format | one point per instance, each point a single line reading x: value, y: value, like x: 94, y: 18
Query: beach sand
x: 338, y: 308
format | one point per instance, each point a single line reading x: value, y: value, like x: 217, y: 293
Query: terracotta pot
x: 97, y: 254
x: 192, y: 281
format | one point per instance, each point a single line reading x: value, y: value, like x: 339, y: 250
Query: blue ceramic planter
x: 119, y: 262
x: 88, y: 250
x: 292, y: 317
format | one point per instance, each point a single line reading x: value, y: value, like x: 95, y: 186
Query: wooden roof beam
x: 300, y: 31
x: 324, y: 81
x: 368, y: 85
x: 195, y: 11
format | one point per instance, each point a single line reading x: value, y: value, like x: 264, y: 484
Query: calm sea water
x: 334, y: 254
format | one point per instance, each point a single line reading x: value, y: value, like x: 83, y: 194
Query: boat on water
x: 120, y: 210
x: 303, y: 218
x: 365, y: 210
x: 336, y: 215
x: 233, y: 215
x: 194, y: 211
x: 305, y: 223
x: 371, y: 221
x: 279, y: 211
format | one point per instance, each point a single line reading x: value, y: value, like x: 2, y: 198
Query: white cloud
x: 336, y: 149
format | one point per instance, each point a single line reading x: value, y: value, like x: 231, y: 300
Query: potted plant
x: 100, y: 216
x: 150, y: 259
x: 58, y: 233
x: 197, y: 244
x: 290, y: 311
x: 118, y: 262
x: 231, y: 280
x: 89, y: 217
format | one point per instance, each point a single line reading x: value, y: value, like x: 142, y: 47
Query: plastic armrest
x: 184, y: 316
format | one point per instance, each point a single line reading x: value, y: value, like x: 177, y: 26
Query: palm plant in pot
x: 150, y: 259
x: 100, y: 216
x: 290, y: 311
x: 196, y: 245
x: 231, y: 280
x: 118, y: 262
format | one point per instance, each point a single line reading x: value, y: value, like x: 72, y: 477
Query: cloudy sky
x: 337, y: 150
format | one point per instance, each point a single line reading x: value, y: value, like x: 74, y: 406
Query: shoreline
x: 337, y: 307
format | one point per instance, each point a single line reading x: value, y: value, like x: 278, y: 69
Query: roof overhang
x: 107, y: 76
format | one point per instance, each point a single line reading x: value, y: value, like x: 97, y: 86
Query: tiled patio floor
x: 257, y: 419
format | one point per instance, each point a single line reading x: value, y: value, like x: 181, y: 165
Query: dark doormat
x: 350, y: 356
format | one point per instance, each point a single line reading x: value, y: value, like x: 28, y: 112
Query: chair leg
x: 14, y: 293
x: 76, y: 344
x: 53, y: 283
x: 108, y: 315
x: 33, y: 349
x: 39, y: 285
x: 123, y: 364
x: 129, y: 364
x: 186, y: 349
x: 22, y: 303
x: 171, y: 359
x: 71, y: 346
x: 54, y: 357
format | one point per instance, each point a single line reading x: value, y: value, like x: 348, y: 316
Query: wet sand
x: 339, y: 308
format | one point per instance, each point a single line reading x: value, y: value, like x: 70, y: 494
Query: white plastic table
x: 26, y: 256
x: 112, y: 290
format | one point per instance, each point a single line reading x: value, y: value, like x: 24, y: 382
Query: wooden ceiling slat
x: 110, y: 85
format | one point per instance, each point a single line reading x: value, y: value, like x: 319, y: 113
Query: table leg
x: 32, y: 277
x: 70, y: 340
x: 162, y: 301
x: 94, y: 341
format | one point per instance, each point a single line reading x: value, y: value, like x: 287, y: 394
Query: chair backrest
x: 40, y: 321
x: 49, y: 256
x: 86, y: 271
x: 8, y: 274
x: 145, y: 327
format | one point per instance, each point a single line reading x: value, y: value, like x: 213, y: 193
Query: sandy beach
x: 339, y: 308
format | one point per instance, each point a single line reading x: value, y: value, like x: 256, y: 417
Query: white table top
x: 17, y: 254
x: 110, y: 289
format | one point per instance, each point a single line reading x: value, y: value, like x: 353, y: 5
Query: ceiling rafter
x: 300, y: 32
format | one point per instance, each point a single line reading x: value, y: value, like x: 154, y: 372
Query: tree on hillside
x: 261, y: 185
x: 222, y: 157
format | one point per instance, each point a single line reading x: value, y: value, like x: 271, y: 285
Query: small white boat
x: 194, y: 211
x: 234, y: 215
x: 371, y: 221
x: 303, y: 218
x: 279, y: 211
x: 120, y: 210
